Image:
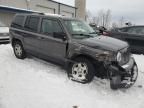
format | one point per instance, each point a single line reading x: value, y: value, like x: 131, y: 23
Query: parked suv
x: 73, y: 44
x: 134, y: 35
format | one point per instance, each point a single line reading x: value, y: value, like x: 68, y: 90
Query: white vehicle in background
x: 4, y: 33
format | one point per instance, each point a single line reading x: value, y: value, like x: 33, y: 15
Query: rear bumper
x: 4, y: 39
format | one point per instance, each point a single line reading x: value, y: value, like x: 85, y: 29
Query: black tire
x: 90, y: 73
x: 115, y: 82
x: 132, y: 79
x: 22, y: 54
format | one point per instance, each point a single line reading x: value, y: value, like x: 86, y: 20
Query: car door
x: 136, y: 39
x: 52, y: 47
x: 31, y: 36
x: 122, y: 33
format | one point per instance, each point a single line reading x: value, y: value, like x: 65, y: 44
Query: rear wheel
x: 19, y: 50
x: 82, y: 70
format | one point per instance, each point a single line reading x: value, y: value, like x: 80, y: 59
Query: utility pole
x: 81, y: 9
x: 28, y: 4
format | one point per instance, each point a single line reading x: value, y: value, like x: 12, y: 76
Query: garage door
x: 45, y: 9
x: 69, y: 14
x: 6, y: 18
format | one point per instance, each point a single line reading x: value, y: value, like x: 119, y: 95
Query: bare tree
x: 107, y: 18
x: 122, y: 22
x: 102, y: 18
x: 114, y: 25
x: 88, y: 16
x: 96, y: 20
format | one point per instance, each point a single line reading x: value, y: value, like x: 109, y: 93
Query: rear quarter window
x: 18, y: 21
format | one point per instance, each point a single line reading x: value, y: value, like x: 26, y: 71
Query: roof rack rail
x: 52, y: 14
x: 38, y: 13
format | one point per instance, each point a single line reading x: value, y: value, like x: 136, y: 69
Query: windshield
x: 79, y: 29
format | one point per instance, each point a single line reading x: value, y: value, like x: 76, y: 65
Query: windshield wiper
x: 81, y: 34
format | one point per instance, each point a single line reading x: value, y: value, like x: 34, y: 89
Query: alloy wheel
x: 79, y: 71
x: 18, y: 50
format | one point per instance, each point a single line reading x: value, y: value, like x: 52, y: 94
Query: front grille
x: 125, y: 56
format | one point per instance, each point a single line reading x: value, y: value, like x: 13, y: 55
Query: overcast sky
x: 131, y: 10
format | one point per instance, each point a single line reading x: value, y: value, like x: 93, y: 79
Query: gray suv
x: 73, y: 44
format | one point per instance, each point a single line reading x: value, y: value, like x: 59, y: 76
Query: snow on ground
x: 33, y: 83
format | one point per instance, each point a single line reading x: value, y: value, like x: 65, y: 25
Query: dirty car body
x: 76, y: 46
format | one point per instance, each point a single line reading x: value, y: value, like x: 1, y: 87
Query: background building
x: 81, y: 9
x: 8, y: 8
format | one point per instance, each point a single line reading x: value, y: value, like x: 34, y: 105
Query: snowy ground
x: 33, y: 83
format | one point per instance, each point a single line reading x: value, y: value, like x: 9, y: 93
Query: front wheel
x: 115, y: 82
x: 126, y: 80
x: 130, y: 79
x: 82, y: 70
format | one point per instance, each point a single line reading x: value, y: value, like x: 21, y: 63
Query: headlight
x: 119, y: 56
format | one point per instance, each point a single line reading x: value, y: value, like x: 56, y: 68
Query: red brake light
x: 106, y: 34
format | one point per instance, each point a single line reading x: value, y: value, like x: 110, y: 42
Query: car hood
x: 104, y: 42
x: 4, y: 30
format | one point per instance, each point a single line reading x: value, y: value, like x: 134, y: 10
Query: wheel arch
x: 82, y: 55
x: 91, y: 59
x: 15, y: 40
x: 97, y: 64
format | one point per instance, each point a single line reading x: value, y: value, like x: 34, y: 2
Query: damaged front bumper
x: 129, y: 65
x: 124, y: 76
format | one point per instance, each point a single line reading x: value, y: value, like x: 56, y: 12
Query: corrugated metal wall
x: 6, y: 18
x: 46, y: 6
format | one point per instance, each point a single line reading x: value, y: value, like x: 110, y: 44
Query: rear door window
x: 32, y: 23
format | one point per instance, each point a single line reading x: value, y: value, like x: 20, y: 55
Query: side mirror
x: 59, y: 35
